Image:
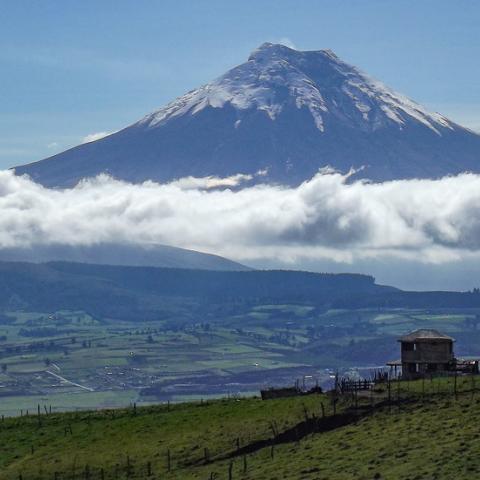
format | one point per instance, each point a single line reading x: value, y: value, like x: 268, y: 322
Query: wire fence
x: 346, y: 403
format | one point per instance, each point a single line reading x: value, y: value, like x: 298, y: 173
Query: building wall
x: 428, y: 352
x: 426, y: 357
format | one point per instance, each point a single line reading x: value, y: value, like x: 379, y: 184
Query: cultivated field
x: 70, y: 360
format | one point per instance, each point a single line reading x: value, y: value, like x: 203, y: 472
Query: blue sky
x: 69, y: 69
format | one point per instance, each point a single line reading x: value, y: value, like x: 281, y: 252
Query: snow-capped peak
x: 276, y: 76
x: 283, y: 112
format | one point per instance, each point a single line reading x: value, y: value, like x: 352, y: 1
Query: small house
x: 425, y: 352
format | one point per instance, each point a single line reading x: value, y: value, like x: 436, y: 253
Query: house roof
x: 395, y: 363
x: 425, y: 335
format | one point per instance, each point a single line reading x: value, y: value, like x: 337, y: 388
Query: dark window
x: 408, y: 347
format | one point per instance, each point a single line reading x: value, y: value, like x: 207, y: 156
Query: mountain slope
x: 129, y: 292
x: 132, y: 293
x: 117, y: 254
x: 142, y: 293
x: 283, y: 113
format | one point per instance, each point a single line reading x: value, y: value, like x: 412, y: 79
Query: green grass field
x: 431, y: 434
x: 67, y: 401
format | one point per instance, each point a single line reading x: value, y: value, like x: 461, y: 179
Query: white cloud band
x: 325, y: 217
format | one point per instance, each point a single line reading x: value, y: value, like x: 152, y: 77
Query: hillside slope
x: 278, y: 117
x: 422, y: 436
x: 141, y: 292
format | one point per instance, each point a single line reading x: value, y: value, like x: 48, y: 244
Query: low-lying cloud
x: 92, y: 137
x: 326, y: 217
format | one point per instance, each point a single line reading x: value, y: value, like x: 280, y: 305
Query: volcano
x: 277, y: 118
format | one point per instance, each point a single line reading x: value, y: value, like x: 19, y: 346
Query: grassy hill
x: 424, y: 432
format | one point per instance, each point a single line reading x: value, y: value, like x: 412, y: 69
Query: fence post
x: 455, y: 384
x: 128, y: 467
x: 305, y: 412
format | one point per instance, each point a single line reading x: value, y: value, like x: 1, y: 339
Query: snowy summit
x: 276, y: 77
x: 285, y: 113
